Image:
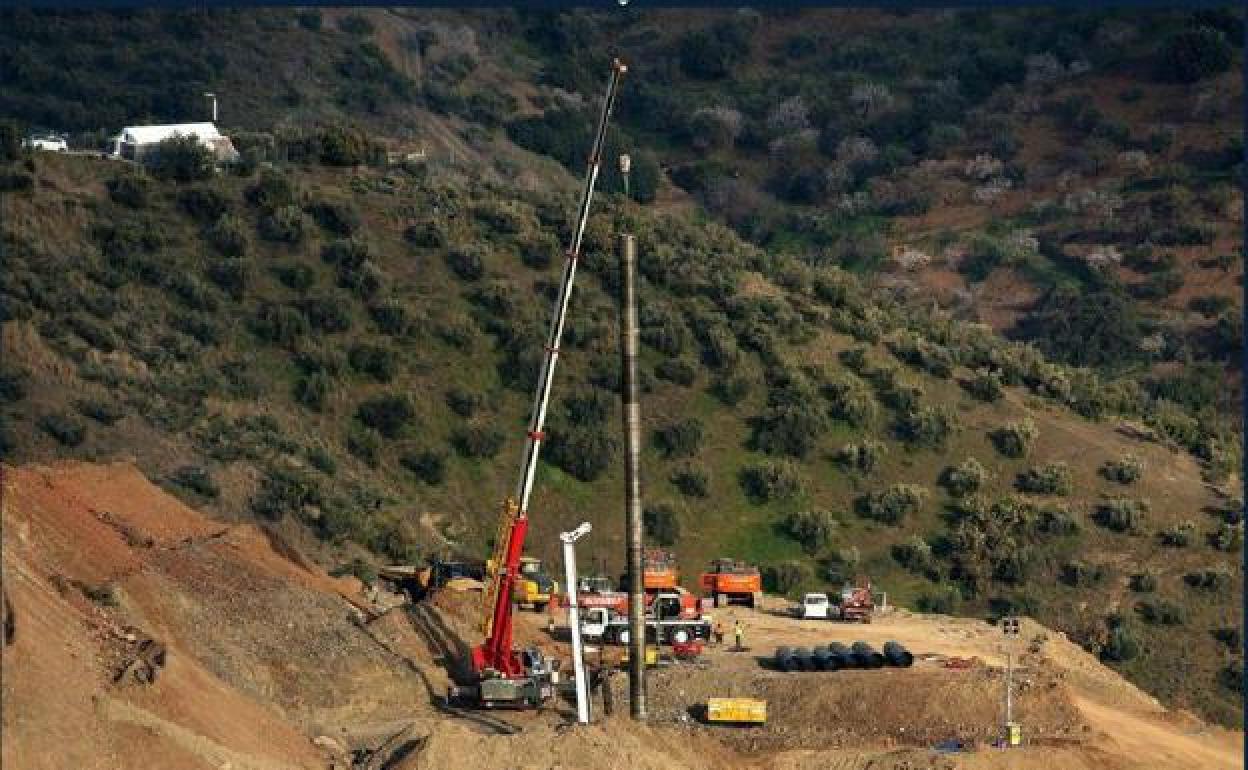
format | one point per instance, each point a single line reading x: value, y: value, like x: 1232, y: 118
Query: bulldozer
x: 730, y: 580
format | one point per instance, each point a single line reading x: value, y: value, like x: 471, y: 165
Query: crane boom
x: 496, y: 654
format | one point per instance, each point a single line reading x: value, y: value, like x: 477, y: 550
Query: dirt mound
x: 260, y: 651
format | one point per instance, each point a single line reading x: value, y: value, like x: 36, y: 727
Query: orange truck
x: 659, y: 571
x: 731, y: 581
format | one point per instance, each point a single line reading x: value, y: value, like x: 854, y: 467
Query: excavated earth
x: 268, y: 663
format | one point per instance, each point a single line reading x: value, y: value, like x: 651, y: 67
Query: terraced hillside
x: 346, y: 345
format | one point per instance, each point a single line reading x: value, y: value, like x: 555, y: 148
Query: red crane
x: 506, y: 676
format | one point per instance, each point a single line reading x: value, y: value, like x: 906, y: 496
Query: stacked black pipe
x: 836, y: 656
x: 896, y: 655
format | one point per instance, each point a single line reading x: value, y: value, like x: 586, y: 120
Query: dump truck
x: 658, y: 570
x: 731, y: 581
x: 855, y: 603
x: 438, y: 574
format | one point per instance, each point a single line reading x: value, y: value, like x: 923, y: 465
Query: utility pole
x: 574, y: 619
x: 1009, y: 627
x: 632, y: 475
x: 213, y: 97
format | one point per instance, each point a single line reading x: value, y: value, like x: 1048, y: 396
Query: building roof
x: 152, y: 134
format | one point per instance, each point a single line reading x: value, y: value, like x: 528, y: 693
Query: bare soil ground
x: 265, y: 665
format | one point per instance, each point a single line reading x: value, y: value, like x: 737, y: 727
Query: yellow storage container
x: 652, y: 656
x: 736, y: 710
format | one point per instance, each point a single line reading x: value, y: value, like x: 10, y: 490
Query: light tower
x: 213, y: 97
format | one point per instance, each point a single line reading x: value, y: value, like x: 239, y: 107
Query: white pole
x: 574, y: 619
x: 213, y: 97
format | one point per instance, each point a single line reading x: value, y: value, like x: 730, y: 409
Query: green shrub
x: 1048, y: 479
x: 925, y: 427
x: 984, y: 386
x: 1217, y: 580
x: 391, y: 317
x: 464, y: 402
x: 791, y: 425
x: 197, y: 480
x: 692, y: 480
x: 1122, y: 645
x: 1014, y: 439
x: 965, y: 478
x: 813, y: 529
x: 326, y: 313
x: 1162, y: 612
x: 1057, y: 520
x: 785, y: 577
x: 365, y: 444
x: 1144, y: 582
x: 1178, y: 535
x: 203, y: 204
x: 182, y: 159
x: 337, y: 217
x: 357, y: 568
x: 130, y: 189
x: 12, y: 383
x: 427, y: 465
x: 850, y: 400
x: 279, y: 324
x: 466, y: 262
x: 676, y: 370
x: 1228, y: 537
x: 730, y: 389
x: 892, y: 505
x: 662, y: 524
x: 285, y: 224
x: 231, y: 275
x: 106, y: 412
x: 944, y: 603
x: 16, y: 181
x: 1076, y: 574
x: 772, y: 481
x: 377, y: 361
x: 66, y: 429
x: 322, y: 460
x: 585, y: 452
x: 427, y: 235
x: 477, y: 441
x: 388, y: 413
x: 862, y: 457
x: 1128, y: 470
x: 295, y: 275
x: 680, y: 439
x: 285, y: 491
x: 1230, y: 636
x: 1194, y: 54
x: 916, y: 555
x: 313, y: 390
x: 271, y: 191
x: 1121, y: 514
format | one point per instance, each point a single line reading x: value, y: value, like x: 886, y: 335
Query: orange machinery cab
x: 729, y: 580
x: 659, y: 571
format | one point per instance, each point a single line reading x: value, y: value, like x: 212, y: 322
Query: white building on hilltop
x: 137, y: 142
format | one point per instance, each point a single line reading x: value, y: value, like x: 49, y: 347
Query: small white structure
x: 46, y: 143
x: 137, y: 142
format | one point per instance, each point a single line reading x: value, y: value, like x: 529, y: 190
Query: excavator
x: 504, y: 676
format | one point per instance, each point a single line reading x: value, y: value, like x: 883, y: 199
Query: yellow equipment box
x: 651, y: 656
x: 736, y: 710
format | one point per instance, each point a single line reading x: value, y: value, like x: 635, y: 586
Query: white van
x: 46, y: 144
x: 814, y: 606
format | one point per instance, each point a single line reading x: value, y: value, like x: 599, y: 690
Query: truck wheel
x: 720, y: 600
x: 539, y: 606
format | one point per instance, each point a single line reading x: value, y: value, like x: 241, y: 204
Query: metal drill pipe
x: 632, y: 477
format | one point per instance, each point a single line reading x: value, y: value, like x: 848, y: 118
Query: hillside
x: 263, y: 669
x: 345, y: 348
